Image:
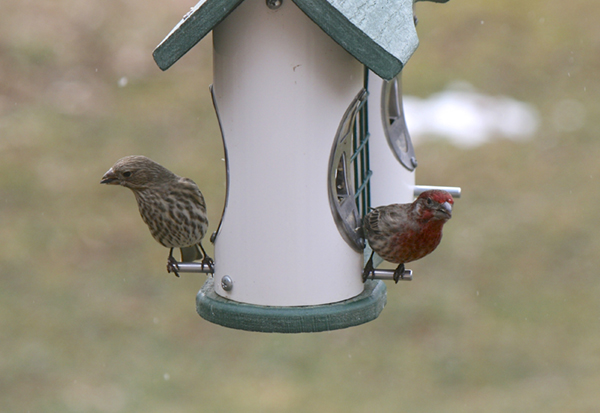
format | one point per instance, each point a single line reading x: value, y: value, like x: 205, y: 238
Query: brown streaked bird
x: 173, y: 207
x: 401, y: 233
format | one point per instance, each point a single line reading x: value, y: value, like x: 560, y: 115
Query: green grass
x: 503, y: 317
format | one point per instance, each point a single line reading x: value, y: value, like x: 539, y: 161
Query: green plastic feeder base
x: 361, y: 309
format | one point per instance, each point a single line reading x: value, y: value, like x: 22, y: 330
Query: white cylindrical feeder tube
x: 391, y: 182
x: 281, y: 87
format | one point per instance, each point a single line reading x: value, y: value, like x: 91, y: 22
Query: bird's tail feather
x: 191, y: 253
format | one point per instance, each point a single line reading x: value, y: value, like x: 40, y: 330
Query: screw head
x: 274, y: 4
x: 226, y: 283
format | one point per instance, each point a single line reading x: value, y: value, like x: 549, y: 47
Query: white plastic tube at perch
x: 281, y: 86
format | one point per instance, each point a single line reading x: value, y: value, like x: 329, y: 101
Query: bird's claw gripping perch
x: 207, y: 265
x: 399, y: 273
x: 207, y: 261
x: 368, y: 268
x: 173, y: 266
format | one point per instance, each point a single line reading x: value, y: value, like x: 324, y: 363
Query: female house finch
x: 402, y: 233
x: 173, y: 207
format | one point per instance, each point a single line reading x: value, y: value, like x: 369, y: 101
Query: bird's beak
x: 446, y: 208
x: 109, y: 178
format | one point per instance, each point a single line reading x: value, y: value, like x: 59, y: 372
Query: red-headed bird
x: 173, y: 207
x: 401, y: 233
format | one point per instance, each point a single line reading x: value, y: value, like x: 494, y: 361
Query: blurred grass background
x: 503, y: 317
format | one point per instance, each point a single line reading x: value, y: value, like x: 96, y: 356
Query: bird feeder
x: 299, y: 87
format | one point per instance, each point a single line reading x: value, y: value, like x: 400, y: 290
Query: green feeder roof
x: 379, y: 33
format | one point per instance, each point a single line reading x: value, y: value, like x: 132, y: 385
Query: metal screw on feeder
x: 294, y: 200
x: 226, y: 283
x: 413, y: 162
x: 274, y: 4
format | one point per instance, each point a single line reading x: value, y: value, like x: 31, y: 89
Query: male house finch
x: 173, y: 207
x: 402, y: 233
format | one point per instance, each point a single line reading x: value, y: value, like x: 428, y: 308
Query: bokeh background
x: 503, y: 317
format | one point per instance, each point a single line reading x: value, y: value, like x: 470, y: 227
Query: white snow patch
x: 468, y: 118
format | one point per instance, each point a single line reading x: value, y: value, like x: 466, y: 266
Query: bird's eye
x: 429, y: 201
x: 127, y: 174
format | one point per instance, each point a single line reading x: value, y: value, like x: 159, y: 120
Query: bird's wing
x: 386, y: 219
x: 371, y: 222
